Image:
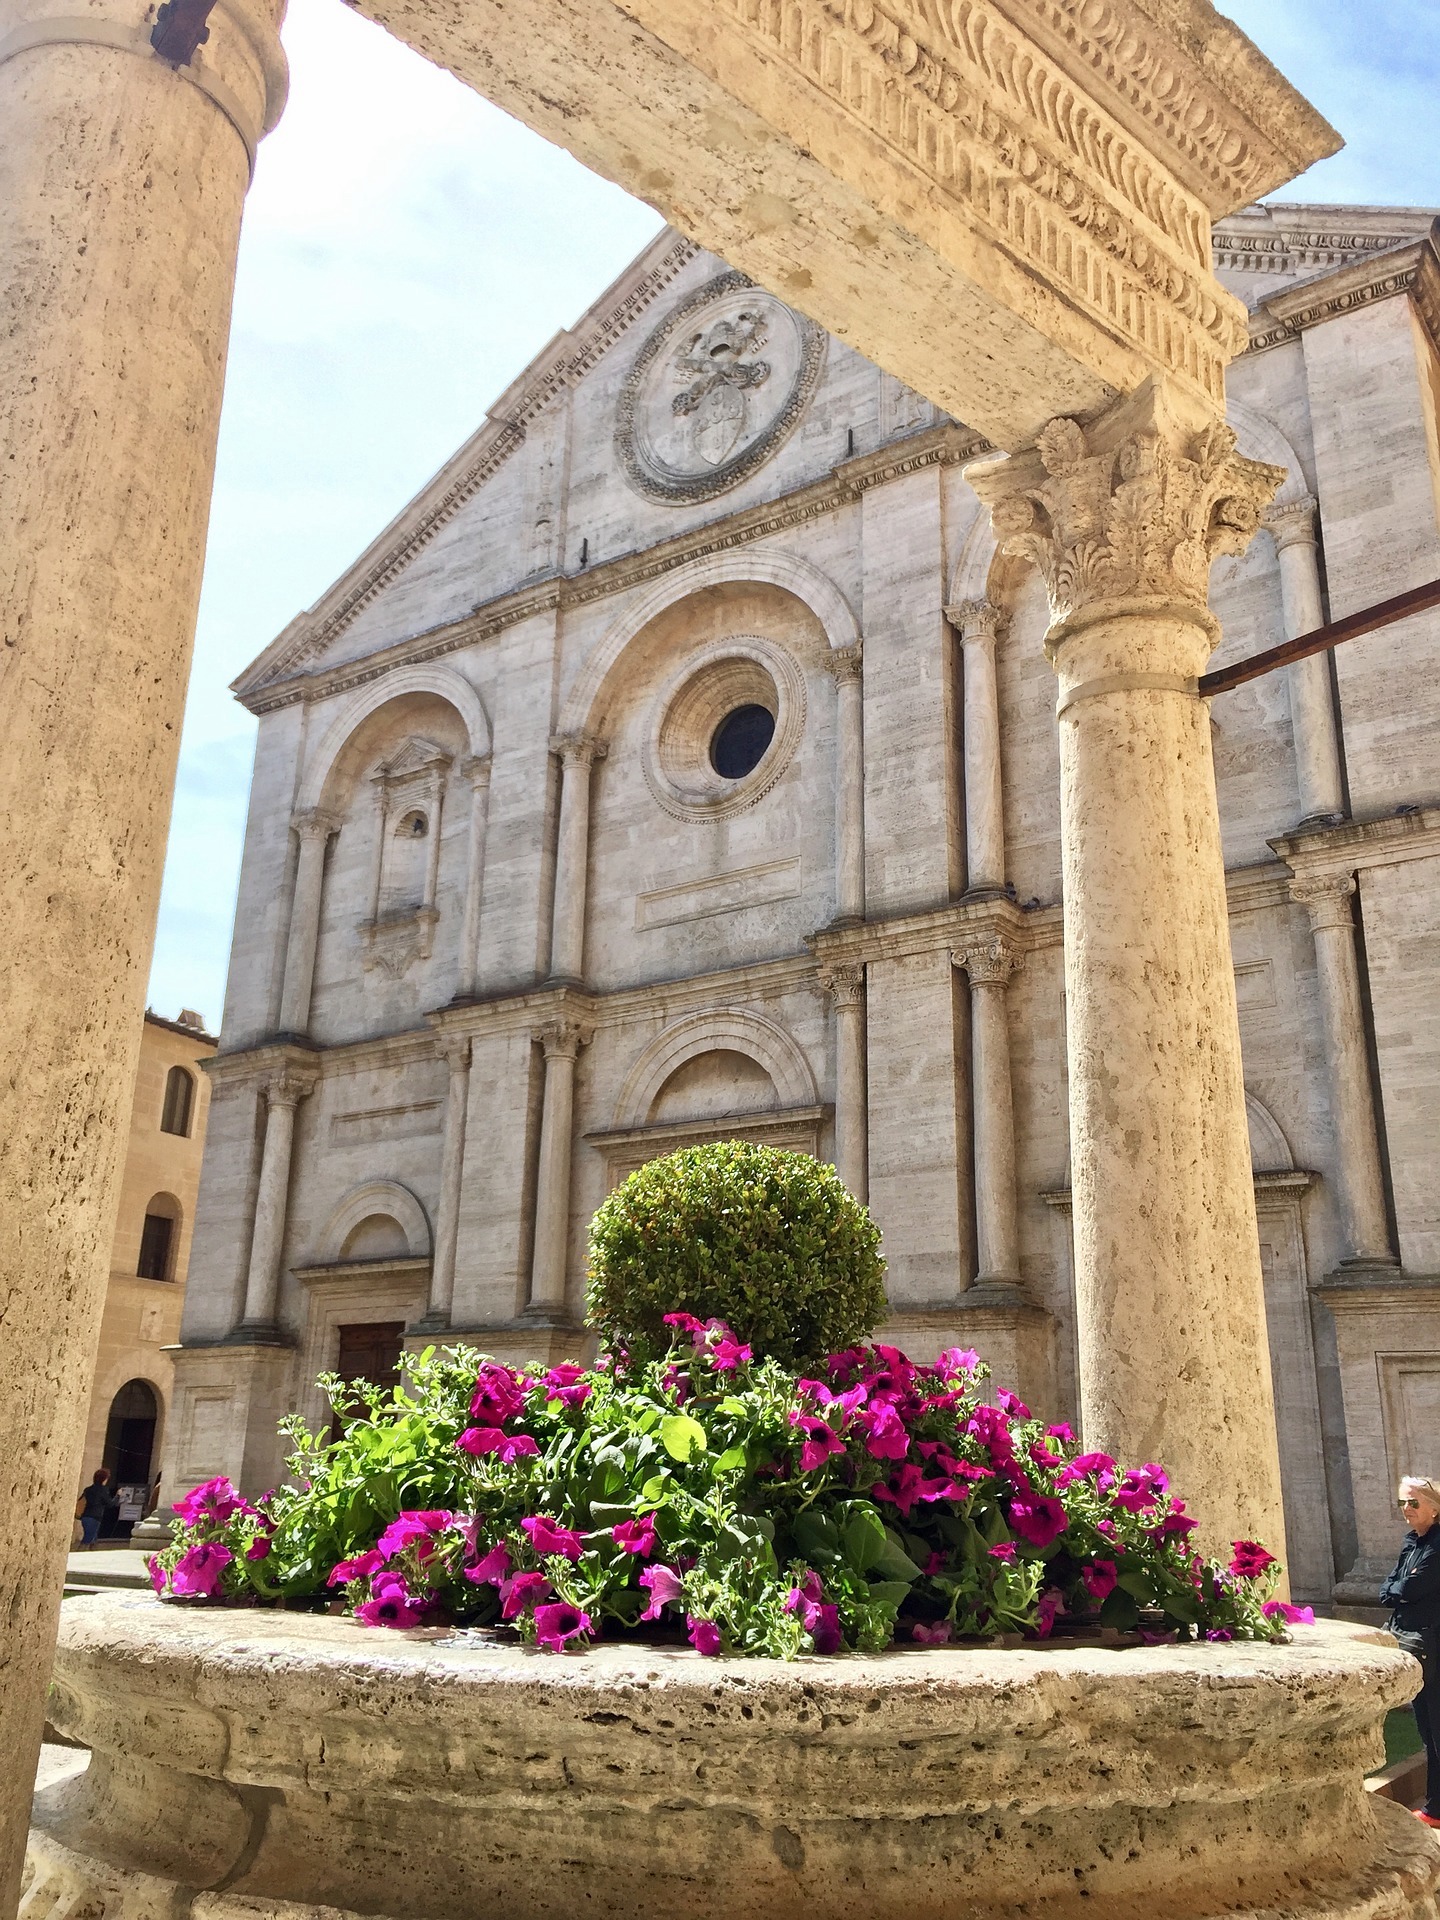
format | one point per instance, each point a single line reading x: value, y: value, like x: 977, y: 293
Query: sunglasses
x: 1409, y: 1503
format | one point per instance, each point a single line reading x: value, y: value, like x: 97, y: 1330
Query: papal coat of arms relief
x: 715, y: 390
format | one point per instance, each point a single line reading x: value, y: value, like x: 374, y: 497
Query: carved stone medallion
x: 716, y: 390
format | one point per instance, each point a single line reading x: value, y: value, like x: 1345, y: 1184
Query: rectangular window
x: 155, y: 1238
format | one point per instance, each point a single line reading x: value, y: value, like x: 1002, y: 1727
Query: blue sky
x: 407, y: 249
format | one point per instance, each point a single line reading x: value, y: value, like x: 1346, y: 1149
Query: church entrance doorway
x: 369, y: 1352
x: 129, y: 1454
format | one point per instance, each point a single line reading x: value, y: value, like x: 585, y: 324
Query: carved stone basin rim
x: 279, y: 1763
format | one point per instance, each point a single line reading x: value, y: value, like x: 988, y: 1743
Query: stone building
x: 133, y: 1387
x: 682, y: 762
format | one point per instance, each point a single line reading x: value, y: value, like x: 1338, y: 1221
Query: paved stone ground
x: 89, y: 1569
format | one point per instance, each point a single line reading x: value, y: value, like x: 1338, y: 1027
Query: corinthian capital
x: 288, y: 1086
x: 976, y: 622
x: 315, y: 824
x: 578, y: 749
x: 1326, y: 897
x: 1130, y: 509
x: 845, y: 985
x: 845, y: 664
x: 1293, y: 524
x: 563, y: 1039
x: 989, y: 961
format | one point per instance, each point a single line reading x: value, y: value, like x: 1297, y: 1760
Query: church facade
x: 682, y: 763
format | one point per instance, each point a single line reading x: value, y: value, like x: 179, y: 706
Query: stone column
x: 990, y: 962
x: 1123, y: 518
x: 846, y: 987
x: 122, y: 177
x: 845, y: 664
x: 454, y: 1050
x: 976, y: 622
x: 477, y: 770
x: 1312, y: 710
x: 314, y: 830
x: 577, y: 753
x: 382, y: 822
x: 1361, y: 1189
x: 562, y: 1041
x: 283, y: 1091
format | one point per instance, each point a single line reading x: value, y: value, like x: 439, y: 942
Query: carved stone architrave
x: 1127, y: 516
x: 715, y: 391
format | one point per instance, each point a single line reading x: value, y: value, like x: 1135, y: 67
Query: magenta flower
x: 156, y: 1572
x: 1250, y: 1559
x: 1174, y: 1526
x: 1090, y: 1466
x: 885, y: 1435
x: 1060, y: 1431
x: 483, y: 1442
x: 258, y: 1549
x: 909, y: 1485
x: 559, y: 1622
x: 1005, y: 1551
x: 991, y: 1428
x: 1099, y: 1578
x: 391, y: 1603
x: 805, y: 1599
x: 1219, y: 1633
x: 704, y: 1635
x: 935, y: 1635
x: 937, y: 1563
x: 1050, y: 1604
x: 548, y: 1536
x: 1143, y: 1487
x: 212, y: 1504
x: 636, y: 1536
x: 199, y: 1569
x: 499, y: 1394
x: 1043, y: 1457
x: 955, y: 1360
x: 727, y: 1354
x: 1012, y: 1404
x: 664, y: 1587
x: 360, y: 1568
x: 567, y: 1383
x: 1038, y: 1518
x: 675, y: 1380
x: 522, y: 1590
x: 822, y: 1442
x: 490, y: 1571
x: 825, y: 1632
x: 1293, y: 1616
x: 417, y: 1529
x: 685, y: 1322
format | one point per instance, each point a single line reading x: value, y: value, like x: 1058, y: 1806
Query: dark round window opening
x: 739, y: 742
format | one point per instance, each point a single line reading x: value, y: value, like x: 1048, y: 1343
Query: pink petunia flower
x: 1038, y: 1519
x: 1060, y: 1431
x: 685, y: 1323
x: 258, y: 1549
x: 492, y: 1569
x: 417, y: 1529
x: 909, y: 1485
x: 558, y: 1623
x: 1293, y: 1616
x: 937, y: 1563
x: 636, y: 1536
x: 212, y: 1504
x: 499, y: 1394
x: 156, y: 1572
x: 956, y: 1360
x: 199, y: 1569
x: 1005, y: 1551
x: 805, y: 1599
x: 1174, y: 1526
x: 1098, y: 1467
x: 990, y: 1426
x: 727, y: 1354
x: 822, y: 1442
x: 548, y: 1536
x: 1099, y: 1578
x: 567, y: 1383
x: 1219, y: 1633
x: 825, y: 1632
x: 1051, y: 1603
x: 704, y: 1635
x: 935, y: 1635
x: 360, y: 1568
x: 1250, y: 1559
x: 885, y: 1435
x: 485, y: 1442
x: 391, y: 1603
x: 1012, y: 1404
x: 664, y: 1587
x: 675, y: 1380
x: 522, y: 1590
x: 1142, y: 1488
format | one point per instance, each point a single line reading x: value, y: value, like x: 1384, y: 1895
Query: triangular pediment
x: 416, y: 756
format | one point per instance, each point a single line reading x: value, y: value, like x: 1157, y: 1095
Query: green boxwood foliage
x: 770, y: 1242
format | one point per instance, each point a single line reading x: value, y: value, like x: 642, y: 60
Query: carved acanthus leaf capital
x: 845, y: 664
x: 476, y: 769
x: 1292, y: 524
x: 1130, y: 510
x: 563, y: 1039
x: 454, y: 1050
x: 315, y: 823
x: 990, y: 961
x: 578, y: 749
x: 1326, y: 897
x: 976, y: 621
x: 845, y: 985
x: 288, y: 1086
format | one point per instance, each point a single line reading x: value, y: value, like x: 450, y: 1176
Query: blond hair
x: 1420, y: 1484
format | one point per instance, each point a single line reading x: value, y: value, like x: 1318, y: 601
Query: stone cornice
x: 1413, y: 269
x: 1386, y: 841
x: 944, y: 446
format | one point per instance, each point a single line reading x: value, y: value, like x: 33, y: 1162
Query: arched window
x: 179, y: 1101
x: 159, y: 1235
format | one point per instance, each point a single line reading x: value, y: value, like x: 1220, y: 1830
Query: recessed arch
x: 443, y: 682
x: 1259, y: 438
x: 723, y: 1030
x: 971, y: 577
x: 1269, y: 1149
x: 369, y: 1197
x: 753, y: 566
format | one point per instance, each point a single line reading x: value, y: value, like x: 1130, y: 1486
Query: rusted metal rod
x: 1416, y: 600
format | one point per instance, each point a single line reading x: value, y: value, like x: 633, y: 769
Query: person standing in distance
x: 1412, y: 1593
x: 95, y: 1506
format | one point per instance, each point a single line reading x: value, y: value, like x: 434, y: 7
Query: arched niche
x: 732, y: 1030
x: 368, y: 1201
x: 411, y: 694
x: 801, y: 579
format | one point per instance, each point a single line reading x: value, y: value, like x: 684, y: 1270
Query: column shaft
x: 562, y: 1042
x: 990, y: 964
x: 479, y: 772
x: 846, y: 986
x: 577, y: 754
x: 1312, y: 709
x: 1123, y: 519
x: 456, y: 1053
x: 849, y: 785
x: 121, y: 187
x: 1361, y: 1188
x: 314, y: 830
x: 267, y: 1240
x: 984, y: 799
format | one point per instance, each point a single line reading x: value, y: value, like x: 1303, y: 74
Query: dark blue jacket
x: 1412, y: 1590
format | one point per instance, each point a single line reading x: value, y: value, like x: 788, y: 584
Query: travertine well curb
x: 245, y: 1761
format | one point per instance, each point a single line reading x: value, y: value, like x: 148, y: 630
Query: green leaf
x: 731, y: 1458
x: 653, y: 1491
x: 682, y: 1437
x: 894, y: 1562
x: 889, y: 1593
x: 731, y: 1405
x: 815, y: 1536
x: 865, y: 1541
x: 1119, y: 1610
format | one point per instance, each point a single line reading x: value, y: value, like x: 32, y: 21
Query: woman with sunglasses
x: 1412, y: 1593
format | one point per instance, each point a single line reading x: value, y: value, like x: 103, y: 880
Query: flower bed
x: 757, y: 1509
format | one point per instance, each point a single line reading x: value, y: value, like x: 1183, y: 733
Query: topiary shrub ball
x: 771, y: 1242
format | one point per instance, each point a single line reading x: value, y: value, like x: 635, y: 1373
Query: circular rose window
x: 725, y: 729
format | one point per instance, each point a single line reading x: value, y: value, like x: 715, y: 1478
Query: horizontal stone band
x: 1126, y: 683
x: 76, y: 31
